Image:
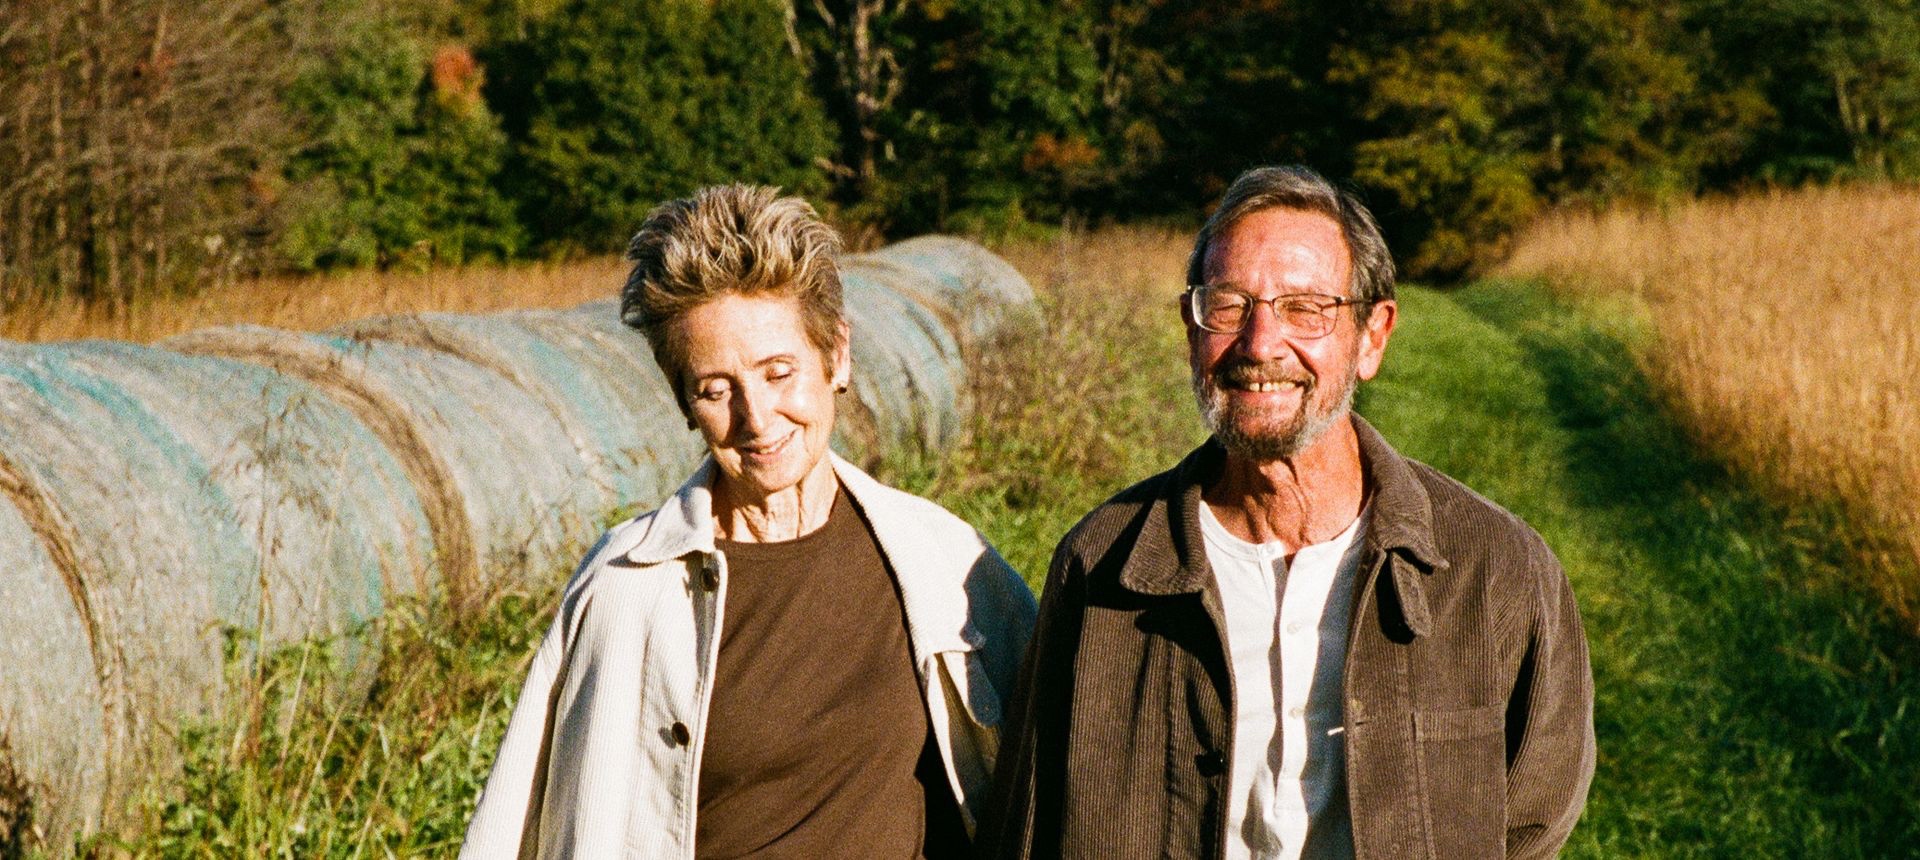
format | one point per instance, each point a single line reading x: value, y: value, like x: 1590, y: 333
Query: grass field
x: 1753, y: 699
x: 316, y: 302
x: 1785, y: 332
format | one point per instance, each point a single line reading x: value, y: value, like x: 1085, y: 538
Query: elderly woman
x: 788, y: 658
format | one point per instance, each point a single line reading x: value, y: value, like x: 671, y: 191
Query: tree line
x: 163, y: 144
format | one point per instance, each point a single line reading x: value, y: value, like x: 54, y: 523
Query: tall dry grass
x: 1787, y: 338
x: 316, y: 302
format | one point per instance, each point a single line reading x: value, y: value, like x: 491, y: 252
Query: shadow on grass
x: 1751, y: 699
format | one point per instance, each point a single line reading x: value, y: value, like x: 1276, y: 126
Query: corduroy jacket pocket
x: 1459, y: 725
x: 1463, y: 763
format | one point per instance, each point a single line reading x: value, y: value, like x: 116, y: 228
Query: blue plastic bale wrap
x: 507, y: 497
x: 291, y: 519
x: 917, y: 309
x: 907, y: 367
x: 963, y: 281
x: 331, y: 522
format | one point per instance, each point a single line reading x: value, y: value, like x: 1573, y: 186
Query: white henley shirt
x: 1287, y: 636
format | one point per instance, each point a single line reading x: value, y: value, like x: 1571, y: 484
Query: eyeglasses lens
x: 1227, y: 312
x: 1220, y: 310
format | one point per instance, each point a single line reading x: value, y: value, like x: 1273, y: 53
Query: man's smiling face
x: 1264, y: 391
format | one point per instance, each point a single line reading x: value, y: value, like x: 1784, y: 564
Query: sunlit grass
x: 316, y: 302
x: 1786, y: 336
x: 1752, y: 698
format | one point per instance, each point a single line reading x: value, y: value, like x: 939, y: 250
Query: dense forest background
x: 159, y: 145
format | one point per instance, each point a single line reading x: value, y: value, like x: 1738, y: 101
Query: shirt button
x: 681, y: 734
x: 710, y: 573
x: 1297, y: 713
x: 1293, y: 627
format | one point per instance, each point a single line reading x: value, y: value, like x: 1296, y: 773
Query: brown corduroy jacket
x: 1468, y: 696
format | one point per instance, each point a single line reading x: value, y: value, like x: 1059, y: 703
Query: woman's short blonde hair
x: 730, y: 239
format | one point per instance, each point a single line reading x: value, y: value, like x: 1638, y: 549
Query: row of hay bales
x: 252, y: 485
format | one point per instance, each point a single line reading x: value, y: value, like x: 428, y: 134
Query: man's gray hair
x: 1299, y: 188
x: 730, y: 239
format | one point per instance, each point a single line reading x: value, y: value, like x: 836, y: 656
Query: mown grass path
x: 1750, y: 700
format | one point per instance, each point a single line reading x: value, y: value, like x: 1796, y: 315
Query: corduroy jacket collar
x: 1169, y: 556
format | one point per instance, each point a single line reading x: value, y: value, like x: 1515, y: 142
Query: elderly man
x: 1296, y: 642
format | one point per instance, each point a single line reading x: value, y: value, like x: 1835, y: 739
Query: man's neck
x: 1299, y: 501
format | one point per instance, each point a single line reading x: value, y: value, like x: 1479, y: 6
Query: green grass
x: 316, y: 765
x: 1751, y: 701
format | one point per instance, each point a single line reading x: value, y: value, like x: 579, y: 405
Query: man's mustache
x: 1243, y: 372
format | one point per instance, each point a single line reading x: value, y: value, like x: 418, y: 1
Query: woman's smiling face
x: 760, y: 392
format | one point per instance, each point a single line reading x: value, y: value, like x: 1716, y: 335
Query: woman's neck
x: 778, y: 516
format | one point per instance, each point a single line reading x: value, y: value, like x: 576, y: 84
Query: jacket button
x: 710, y: 574
x: 1210, y: 763
x: 681, y: 734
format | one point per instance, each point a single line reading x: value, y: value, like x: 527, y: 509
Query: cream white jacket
x: 602, y: 755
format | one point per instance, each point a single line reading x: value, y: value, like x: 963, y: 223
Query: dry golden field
x: 1112, y: 257
x: 316, y: 302
x: 1787, y: 336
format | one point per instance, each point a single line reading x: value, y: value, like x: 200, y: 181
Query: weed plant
x: 1074, y: 405
x: 314, y: 762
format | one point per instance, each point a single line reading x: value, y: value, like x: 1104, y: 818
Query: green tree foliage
x: 619, y: 106
x: 1840, y: 81
x: 1479, y: 113
x: 403, y: 161
x: 1194, y: 92
x: 955, y: 114
x: 142, y: 151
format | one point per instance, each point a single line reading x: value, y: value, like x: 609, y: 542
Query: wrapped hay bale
x: 649, y: 448
x: 290, y: 519
x: 917, y: 307
x: 53, y: 732
x: 160, y: 505
x: 502, y: 489
x: 972, y: 288
x: 331, y: 521
x: 614, y: 411
x: 143, y: 540
x: 907, y: 366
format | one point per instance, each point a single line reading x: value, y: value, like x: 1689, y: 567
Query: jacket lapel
x: 683, y: 525
x: 1400, y: 528
x: 929, y: 573
x: 1169, y: 556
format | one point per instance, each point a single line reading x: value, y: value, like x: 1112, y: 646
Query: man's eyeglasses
x: 1222, y: 309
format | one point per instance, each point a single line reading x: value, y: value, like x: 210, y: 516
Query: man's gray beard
x: 1281, y: 443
